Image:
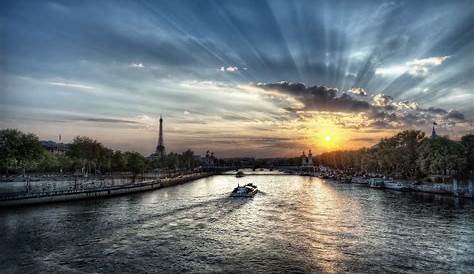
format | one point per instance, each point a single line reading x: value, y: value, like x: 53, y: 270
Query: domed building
x: 307, y: 164
x: 307, y: 161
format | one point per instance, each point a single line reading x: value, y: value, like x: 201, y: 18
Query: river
x: 295, y: 224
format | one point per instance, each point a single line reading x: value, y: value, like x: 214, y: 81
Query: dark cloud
x: 417, y: 119
x: 454, y: 114
x: 379, y: 113
x: 319, y: 97
x: 383, y: 111
x: 380, y: 124
x: 108, y: 120
x: 414, y: 118
x: 236, y: 117
x: 364, y: 139
x: 258, y: 142
x: 437, y: 110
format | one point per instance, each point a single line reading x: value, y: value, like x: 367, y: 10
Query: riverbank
x: 456, y: 188
x: 31, y: 198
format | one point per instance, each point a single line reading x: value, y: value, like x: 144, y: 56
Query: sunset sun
x: 329, y: 137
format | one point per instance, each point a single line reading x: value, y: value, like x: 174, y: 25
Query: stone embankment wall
x: 456, y: 187
x: 69, y: 190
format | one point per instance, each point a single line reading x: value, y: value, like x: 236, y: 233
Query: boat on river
x: 376, y: 182
x: 395, y: 185
x: 248, y: 190
x: 388, y: 184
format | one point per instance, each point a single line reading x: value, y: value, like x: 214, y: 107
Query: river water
x: 295, y: 224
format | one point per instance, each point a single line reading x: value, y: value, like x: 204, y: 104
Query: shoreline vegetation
x: 407, y: 161
x: 407, y: 155
x: 22, y: 154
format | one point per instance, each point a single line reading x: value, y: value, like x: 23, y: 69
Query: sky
x: 240, y: 78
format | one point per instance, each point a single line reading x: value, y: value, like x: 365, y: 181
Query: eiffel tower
x: 160, y: 148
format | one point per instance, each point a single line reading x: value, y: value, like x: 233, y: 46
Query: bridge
x: 252, y: 170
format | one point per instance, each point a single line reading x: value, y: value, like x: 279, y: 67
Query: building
x: 209, y: 160
x: 307, y: 166
x: 54, y: 147
x: 433, y: 132
x: 307, y: 161
x: 160, y: 151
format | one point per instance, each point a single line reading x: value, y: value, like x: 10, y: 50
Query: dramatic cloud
x: 318, y: 98
x: 417, y: 67
x: 358, y: 91
x: 409, y: 114
x: 406, y: 105
x: 382, y: 100
x: 381, y: 112
x: 454, y: 114
x: 437, y: 110
x: 149, y: 58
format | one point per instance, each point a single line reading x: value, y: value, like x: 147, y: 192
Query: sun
x: 325, y: 134
x: 328, y: 138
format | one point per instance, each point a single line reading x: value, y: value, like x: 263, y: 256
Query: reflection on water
x: 296, y: 224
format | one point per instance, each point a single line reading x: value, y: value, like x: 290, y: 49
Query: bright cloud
x: 382, y: 100
x: 139, y: 65
x: 230, y: 69
x: 70, y: 85
x: 417, y: 67
x: 358, y: 91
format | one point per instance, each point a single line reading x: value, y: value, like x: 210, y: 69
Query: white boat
x: 248, y: 190
x: 388, y: 184
x: 391, y: 184
x: 376, y: 182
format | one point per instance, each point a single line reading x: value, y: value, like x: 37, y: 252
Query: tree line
x: 22, y: 152
x: 408, y: 154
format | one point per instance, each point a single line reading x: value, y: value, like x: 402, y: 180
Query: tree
x: 89, y: 153
x: 65, y: 163
x: 441, y: 156
x: 105, y: 159
x: 136, y: 163
x: 49, y: 162
x: 119, y: 162
x: 397, y: 155
x: 468, y: 142
x: 18, y: 149
x: 188, y: 161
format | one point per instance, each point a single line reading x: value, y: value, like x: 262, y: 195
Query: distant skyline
x: 241, y: 78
